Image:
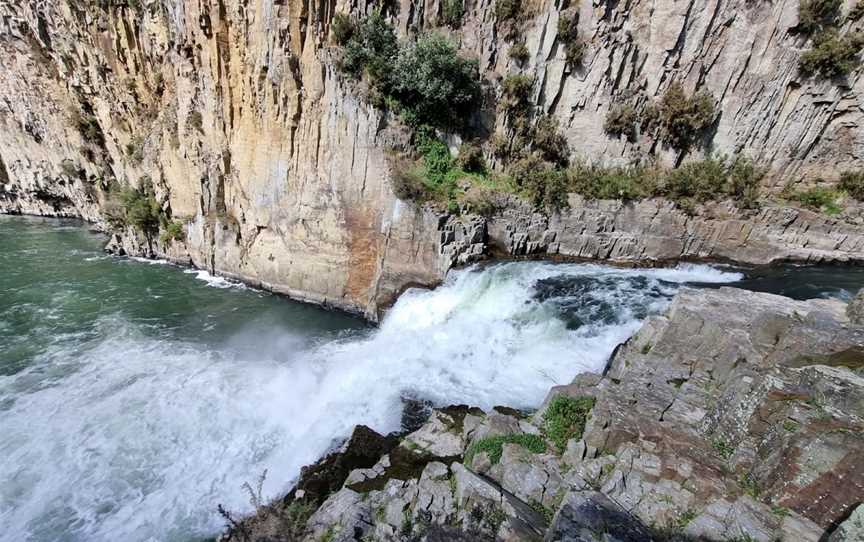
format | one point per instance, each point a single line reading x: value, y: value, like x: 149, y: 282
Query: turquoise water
x: 136, y: 396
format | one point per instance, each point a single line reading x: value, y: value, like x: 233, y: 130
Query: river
x: 135, y: 396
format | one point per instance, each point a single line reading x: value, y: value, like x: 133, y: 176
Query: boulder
x: 590, y: 516
x: 852, y: 528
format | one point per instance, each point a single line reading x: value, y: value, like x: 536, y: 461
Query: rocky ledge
x: 733, y: 416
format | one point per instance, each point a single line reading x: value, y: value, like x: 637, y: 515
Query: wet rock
x: 362, y: 450
x: 855, y: 309
x: 590, y: 516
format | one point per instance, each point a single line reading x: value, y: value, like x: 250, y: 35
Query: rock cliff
x: 276, y: 164
x: 733, y: 416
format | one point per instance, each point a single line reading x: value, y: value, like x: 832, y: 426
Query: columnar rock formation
x: 277, y: 164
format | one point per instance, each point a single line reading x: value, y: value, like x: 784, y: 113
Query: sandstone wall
x: 277, y: 165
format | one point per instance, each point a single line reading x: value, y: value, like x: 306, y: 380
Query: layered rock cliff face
x: 276, y: 164
x: 733, y: 416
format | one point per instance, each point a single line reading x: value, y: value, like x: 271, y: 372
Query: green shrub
x: 69, y: 169
x: 565, y: 419
x: 481, y: 199
x: 470, y: 158
x: 507, y: 9
x: 516, y: 92
x: 434, y: 83
x: 550, y: 142
x: 173, y: 232
x: 622, y: 183
x: 568, y: 34
x: 141, y: 210
x: 342, y: 28
x: 621, y: 120
x: 88, y: 126
x: 819, y: 199
x: 542, y: 184
x: 702, y: 181
x: 684, y: 118
x: 519, y: 52
x: 832, y: 54
x: 195, y: 120
x: 453, y: 10
x: 135, y: 150
x: 743, y: 181
x: 406, y: 180
x: 372, y: 48
x: 814, y: 15
x: 296, y: 515
x: 852, y: 182
x: 494, y: 446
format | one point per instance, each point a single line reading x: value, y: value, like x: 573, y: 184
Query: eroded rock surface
x: 733, y: 416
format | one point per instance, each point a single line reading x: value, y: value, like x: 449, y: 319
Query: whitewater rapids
x: 139, y: 435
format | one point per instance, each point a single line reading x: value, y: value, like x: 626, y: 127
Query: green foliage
x: 426, y: 81
x: 342, y: 28
x: 437, y: 175
x: 540, y: 182
x: 565, y: 419
x: 594, y: 182
x: 433, y: 83
x: 453, y: 10
x: 135, y: 150
x: 173, y: 232
x: 295, y: 517
x: 470, y: 158
x: 713, y: 179
x: 833, y: 54
x: 519, y: 52
x: 684, y: 118
x: 790, y: 426
x: 852, y: 182
x: 88, y: 127
x: 371, y: 49
x: 750, y: 486
x: 494, y: 446
x: 814, y: 15
x: 141, y: 210
x: 743, y: 183
x: 508, y: 9
x: 723, y: 448
x: 406, y: 180
x: 621, y: 120
x: 516, y: 92
x: 819, y: 199
x: 568, y: 34
x: 550, y: 142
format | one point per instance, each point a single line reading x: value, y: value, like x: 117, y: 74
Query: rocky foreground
x: 734, y: 416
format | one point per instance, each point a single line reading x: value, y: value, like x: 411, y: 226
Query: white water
x: 138, y: 438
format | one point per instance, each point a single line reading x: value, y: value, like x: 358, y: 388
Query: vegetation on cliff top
x: 833, y: 53
x: 436, y: 91
x: 425, y: 81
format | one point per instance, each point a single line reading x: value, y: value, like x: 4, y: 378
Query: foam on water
x: 139, y: 436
